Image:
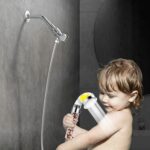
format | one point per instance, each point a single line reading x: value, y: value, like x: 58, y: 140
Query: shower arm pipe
x: 57, y: 32
x: 53, y: 28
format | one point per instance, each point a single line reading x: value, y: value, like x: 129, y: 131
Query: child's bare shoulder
x: 120, y: 118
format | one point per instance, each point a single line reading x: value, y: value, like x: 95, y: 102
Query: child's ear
x: 133, y: 96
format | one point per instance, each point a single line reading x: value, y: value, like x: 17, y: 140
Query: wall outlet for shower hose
x: 27, y: 15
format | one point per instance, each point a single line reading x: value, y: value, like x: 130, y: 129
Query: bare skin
x: 111, y: 137
x: 112, y: 133
x: 121, y: 140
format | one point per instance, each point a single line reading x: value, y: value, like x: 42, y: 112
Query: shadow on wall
x: 141, y: 133
x: 25, y: 52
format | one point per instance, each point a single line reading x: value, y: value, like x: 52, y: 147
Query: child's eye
x: 101, y: 93
x: 110, y: 95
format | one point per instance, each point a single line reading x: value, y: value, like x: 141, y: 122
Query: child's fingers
x: 69, y: 124
x: 68, y: 117
x: 71, y: 118
x: 68, y: 121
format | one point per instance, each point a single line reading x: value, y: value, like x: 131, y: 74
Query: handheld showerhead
x: 89, y: 101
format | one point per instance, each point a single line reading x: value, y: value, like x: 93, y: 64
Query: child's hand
x: 68, y: 121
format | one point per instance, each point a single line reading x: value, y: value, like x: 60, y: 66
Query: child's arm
x: 77, y: 131
x: 84, y: 140
x: 106, y: 128
x: 68, y: 123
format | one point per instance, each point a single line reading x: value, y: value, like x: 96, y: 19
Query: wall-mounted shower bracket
x: 56, y: 31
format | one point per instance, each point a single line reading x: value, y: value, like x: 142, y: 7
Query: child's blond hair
x: 124, y: 74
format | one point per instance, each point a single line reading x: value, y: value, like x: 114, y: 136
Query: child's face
x: 114, y: 101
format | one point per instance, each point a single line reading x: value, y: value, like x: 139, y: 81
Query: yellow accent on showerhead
x: 84, y: 97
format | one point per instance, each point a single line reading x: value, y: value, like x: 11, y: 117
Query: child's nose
x: 104, y: 98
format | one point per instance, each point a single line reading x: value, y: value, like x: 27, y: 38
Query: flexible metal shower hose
x: 46, y: 91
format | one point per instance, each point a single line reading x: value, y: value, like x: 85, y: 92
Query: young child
x: 120, y: 83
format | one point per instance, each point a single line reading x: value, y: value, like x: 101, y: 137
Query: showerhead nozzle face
x: 83, y: 98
